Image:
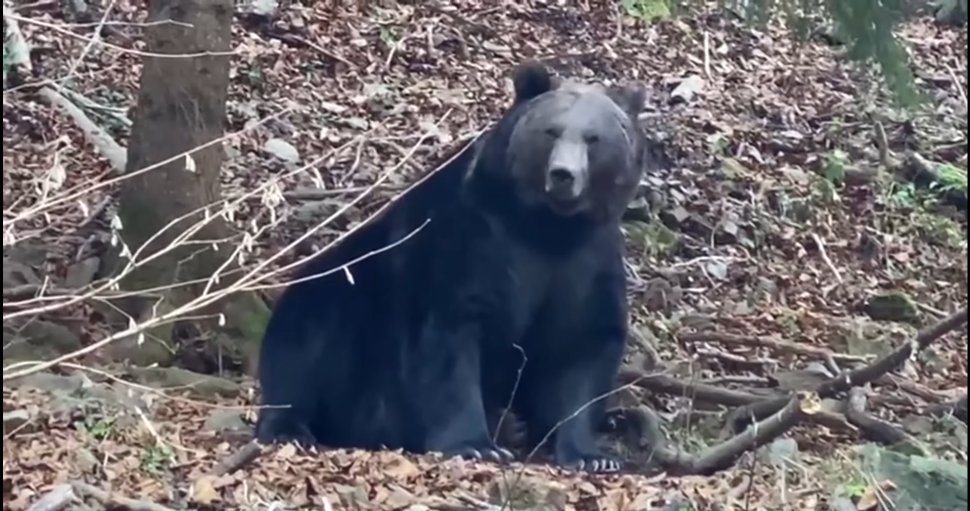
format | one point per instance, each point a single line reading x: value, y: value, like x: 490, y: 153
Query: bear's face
x: 575, y: 150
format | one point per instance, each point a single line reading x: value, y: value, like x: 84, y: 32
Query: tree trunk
x: 181, y: 106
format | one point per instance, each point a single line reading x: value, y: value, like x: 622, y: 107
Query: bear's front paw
x: 594, y: 463
x: 481, y: 453
x: 600, y: 465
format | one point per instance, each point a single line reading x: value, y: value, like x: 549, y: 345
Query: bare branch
x: 876, y: 429
x: 60, y: 497
x: 723, y: 455
x: 239, y: 459
x: 776, y: 345
x: 97, y: 136
x: 109, y: 499
x: 894, y: 360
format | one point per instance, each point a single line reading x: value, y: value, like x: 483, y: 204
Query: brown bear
x: 513, y: 294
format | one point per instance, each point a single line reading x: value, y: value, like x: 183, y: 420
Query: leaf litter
x: 742, y: 133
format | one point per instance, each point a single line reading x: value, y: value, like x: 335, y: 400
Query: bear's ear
x: 531, y: 79
x: 629, y: 97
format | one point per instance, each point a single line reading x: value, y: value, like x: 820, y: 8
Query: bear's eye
x: 591, y: 138
x: 553, y: 132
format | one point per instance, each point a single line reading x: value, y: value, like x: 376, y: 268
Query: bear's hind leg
x: 279, y: 425
x: 447, y: 393
x: 572, y: 399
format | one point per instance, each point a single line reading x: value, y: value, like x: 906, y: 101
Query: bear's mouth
x: 564, y: 206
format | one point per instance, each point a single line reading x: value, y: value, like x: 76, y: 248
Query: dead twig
x: 723, y: 455
x: 60, y: 497
x: 707, y: 55
x: 665, y: 384
x: 94, y: 41
x: 747, y: 362
x: 239, y: 459
x: 957, y: 84
x: 323, y: 51
x: 109, y: 499
x: 760, y: 381
x: 882, y: 144
x: 775, y: 345
x: 911, y: 387
x: 825, y: 257
x: 312, y: 194
x: 742, y: 417
x: 253, y: 276
x: 18, y: 57
x: 875, y: 429
x: 473, y: 28
x: 956, y: 408
x: 111, y: 150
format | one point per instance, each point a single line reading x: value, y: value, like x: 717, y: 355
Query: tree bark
x: 181, y: 106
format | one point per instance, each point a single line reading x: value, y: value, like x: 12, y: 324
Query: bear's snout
x: 563, y: 185
x: 566, y: 173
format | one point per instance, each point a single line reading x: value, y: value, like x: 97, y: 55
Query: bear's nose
x: 561, y: 176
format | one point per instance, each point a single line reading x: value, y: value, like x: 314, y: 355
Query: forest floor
x: 763, y: 217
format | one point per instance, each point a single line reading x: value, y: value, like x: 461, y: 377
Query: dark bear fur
x: 522, y: 257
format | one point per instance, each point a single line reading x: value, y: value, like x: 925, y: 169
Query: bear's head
x: 573, y: 148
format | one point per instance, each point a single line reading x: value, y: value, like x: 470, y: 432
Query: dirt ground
x: 739, y: 231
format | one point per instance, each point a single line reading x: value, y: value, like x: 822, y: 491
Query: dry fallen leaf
x: 401, y: 468
x: 776, y: 108
x: 286, y: 452
x: 874, y: 496
x: 204, y: 491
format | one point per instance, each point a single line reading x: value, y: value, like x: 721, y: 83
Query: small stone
x: 727, y: 233
x: 893, y: 306
x: 14, y: 419
x: 48, y: 382
x: 698, y: 227
x: 39, y: 340
x: 199, y: 384
x: 661, y: 295
x: 675, y: 217
x: 282, y: 150
x: 717, y: 269
x: 266, y: 8
x: 82, y: 273
x: 18, y: 274
x: 766, y: 290
x: 225, y: 421
x: 917, y: 425
x: 85, y: 460
x: 687, y: 89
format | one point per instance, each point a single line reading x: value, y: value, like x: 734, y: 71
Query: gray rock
x: 38, y: 340
x: 82, y: 273
x: 85, y: 461
x: 282, y: 150
x: 14, y: 420
x: 223, y: 421
x: 148, y: 353
x: 61, y: 496
x: 892, y: 306
x: 687, y: 89
x: 661, y: 295
x: 765, y: 290
x: 312, y: 211
x: 53, y: 383
x: 199, y: 384
x: 29, y: 252
x: 265, y: 8
x: 16, y: 274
